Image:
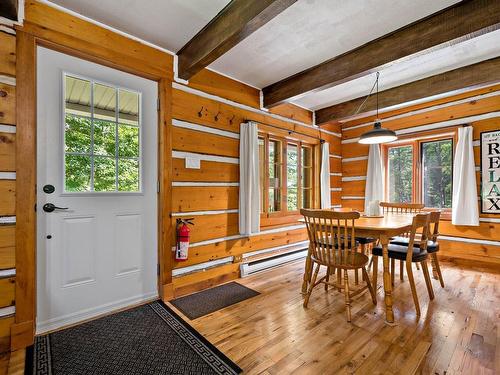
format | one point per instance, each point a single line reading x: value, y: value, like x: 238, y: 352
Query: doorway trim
x: 28, y: 38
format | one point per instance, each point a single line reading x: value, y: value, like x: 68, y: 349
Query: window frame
x: 117, y: 88
x: 418, y: 177
x: 269, y: 218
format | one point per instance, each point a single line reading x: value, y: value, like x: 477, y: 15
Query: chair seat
x: 432, y: 246
x: 342, y: 246
x: 399, y: 252
x: 365, y: 240
x: 353, y: 260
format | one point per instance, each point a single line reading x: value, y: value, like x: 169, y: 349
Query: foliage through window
x: 286, y: 175
x: 420, y: 171
x: 101, y: 137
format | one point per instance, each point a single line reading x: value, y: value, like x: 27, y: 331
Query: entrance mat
x: 210, y: 300
x: 149, y: 339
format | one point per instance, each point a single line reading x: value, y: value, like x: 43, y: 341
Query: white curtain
x: 325, y: 177
x: 465, y: 209
x: 374, y: 188
x: 249, y: 208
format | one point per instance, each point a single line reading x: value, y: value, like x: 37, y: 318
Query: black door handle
x: 50, y: 207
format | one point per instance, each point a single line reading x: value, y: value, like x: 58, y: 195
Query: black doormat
x: 149, y: 339
x: 210, y: 300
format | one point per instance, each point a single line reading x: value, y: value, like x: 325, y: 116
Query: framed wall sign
x: 490, y: 172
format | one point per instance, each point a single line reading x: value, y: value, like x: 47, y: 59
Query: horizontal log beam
x: 460, y: 22
x: 238, y: 20
x: 453, y: 81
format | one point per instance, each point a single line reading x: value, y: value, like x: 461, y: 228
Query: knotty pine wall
x: 206, y: 116
x: 7, y: 184
x: 479, y: 108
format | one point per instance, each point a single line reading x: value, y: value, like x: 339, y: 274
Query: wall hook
x: 216, y: 117
x: 201, y: 112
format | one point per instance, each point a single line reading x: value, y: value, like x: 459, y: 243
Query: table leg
x: 389, y: 313
x: 307, y: 272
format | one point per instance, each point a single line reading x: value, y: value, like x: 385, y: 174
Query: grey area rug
x: 150, y: 339
x: 210, y: 300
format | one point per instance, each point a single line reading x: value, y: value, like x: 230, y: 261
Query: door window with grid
x: 102, y: 148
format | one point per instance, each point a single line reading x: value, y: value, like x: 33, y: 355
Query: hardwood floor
x: 458, y: 333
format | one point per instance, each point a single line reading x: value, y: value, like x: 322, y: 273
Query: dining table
x: 383, y: 227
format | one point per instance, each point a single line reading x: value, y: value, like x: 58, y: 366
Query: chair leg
x: 375, y: 271
x: 339, y: 279
x: 427, y: 277
x: 311, y: 286
x: 369, y: 285
x: 401, y: 271
x: 347, y: 296
x: 418, y: 266
x: 437, y: 268
x: 393, y: 270
x: 413, y: 287
x: 328, y: 271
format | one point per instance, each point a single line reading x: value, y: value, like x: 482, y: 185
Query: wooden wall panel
x: 354, y: 188
x: 355, y: 204
x: 205, y: 143
x: 336, y: 196
x: 7, y: 197
x: 335, y: 181
x: 7, y: 152
x: 7, y: 104
x: 210, y: 171
x: 188, y: 107
x: 7, y: 54
x: 5, y: 324
x: 294, y: 112
x: 7, y: 291
x: 205, y: 279
x: 218, y: 250
x: 485, y: 231
x: 470, y: 251
x: 335, y: 165
x: 354, y: 150
x: 208, y: 227
x: 334, y: 142
x: 354, y: 168
x: 188, y: 198
x: 485, y: 125
x: 225, y: 87
x: 7, y: 246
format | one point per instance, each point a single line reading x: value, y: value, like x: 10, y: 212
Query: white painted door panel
x: 102, y: 251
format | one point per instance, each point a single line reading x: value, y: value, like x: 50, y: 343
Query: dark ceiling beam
x: 235, y: 22
x: 451, y: 82
x: 8, y: 9
x: 460, y: 22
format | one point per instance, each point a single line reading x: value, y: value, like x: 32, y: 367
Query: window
x: 286, y: 175
x: 101, y: 137
x: 420, y: 171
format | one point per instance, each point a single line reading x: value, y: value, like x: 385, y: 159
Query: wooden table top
x: 390, y: 221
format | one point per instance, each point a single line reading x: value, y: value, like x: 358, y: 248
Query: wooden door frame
x: 22, y: 331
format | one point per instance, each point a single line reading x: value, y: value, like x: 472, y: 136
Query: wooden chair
x: 333, y: 245
x: 406, y: 208
x: 409, y: 254
x: 432, y: 245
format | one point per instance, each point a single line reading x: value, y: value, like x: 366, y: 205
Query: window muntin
x: 400, y: 174
x: 287, y: 179
x: 437, y: 165
x: 101, y: 137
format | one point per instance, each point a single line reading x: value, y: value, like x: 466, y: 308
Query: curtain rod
x: 290, y: 132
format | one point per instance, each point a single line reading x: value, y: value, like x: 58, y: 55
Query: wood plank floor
x: 458, y: 333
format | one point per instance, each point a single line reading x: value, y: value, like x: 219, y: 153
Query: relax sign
x: 490, y: 172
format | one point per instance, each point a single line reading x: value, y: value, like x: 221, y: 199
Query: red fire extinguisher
x: 181, y: 251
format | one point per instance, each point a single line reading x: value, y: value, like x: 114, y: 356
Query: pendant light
x: 378, y: 134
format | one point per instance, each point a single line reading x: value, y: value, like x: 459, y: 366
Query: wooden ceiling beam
x: 462, y: 21
x: 238, y: 20
x: 453, y: 81
x: 8, y: 9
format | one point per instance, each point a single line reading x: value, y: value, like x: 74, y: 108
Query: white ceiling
x: 167, y: 23
x: 306, y: 34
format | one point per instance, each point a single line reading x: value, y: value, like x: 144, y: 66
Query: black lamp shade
x: 377, y: 135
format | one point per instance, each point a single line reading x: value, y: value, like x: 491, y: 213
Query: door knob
x: 50, y: 207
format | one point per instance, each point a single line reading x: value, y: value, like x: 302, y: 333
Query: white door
x: 97, y: 149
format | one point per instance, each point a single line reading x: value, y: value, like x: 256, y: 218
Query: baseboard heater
x: 249, y: 268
